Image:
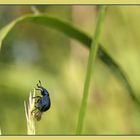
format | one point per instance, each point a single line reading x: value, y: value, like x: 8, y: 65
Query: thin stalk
x: 90, y: 69
x: 29, y: 118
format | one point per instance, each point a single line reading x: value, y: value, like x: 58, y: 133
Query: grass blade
x: 90, y: 69
x: 76, y: 34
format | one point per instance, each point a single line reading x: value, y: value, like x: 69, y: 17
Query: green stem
x: 90, y: 68
x: 35, y: 10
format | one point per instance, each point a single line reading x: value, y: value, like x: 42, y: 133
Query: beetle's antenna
x: 40, y: 83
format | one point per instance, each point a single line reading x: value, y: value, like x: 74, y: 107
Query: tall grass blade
x: 76, y: 34
x: 90, y: 69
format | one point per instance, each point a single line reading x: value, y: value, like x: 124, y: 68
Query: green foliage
x: 74, y: 33
x: 107, y: 108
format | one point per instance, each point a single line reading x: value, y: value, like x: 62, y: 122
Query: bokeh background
x: 32, y: 52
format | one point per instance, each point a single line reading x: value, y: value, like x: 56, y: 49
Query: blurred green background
x: 32, y: 52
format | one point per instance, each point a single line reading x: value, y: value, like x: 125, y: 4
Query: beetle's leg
x: 36, y: 106
x: 38, y: 115
x: 36, y: 97
x: 37, y: 101
x: 33, y: 111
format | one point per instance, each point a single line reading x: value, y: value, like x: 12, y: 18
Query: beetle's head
x: 39, y: 85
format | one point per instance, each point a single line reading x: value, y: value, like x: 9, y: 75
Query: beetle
x: 42, y: 103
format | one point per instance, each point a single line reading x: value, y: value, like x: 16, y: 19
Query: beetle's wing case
x: 44, y: 103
